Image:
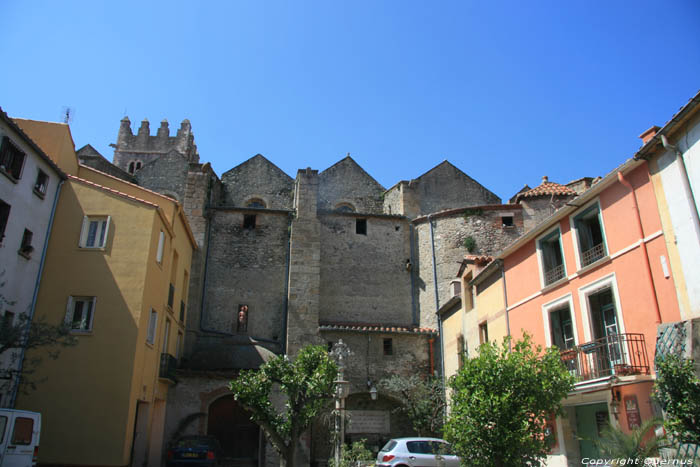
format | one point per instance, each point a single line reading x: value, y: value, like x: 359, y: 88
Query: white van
x: 19, y: 437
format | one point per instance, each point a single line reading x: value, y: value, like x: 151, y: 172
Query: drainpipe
x: 35, y: 295
x: 650, y: 279
x: 685, y: 181
x: 505, y: 303
x: 285, y: 318
x: 437, y: 298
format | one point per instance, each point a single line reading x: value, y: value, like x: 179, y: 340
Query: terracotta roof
x: 479, y: 258
x: 547, y: 188
x: 361, y: 327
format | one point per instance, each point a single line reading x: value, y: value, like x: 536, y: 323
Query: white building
x: 29, y: 187
x: 673, y: 153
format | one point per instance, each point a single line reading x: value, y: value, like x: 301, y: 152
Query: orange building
x: 594, y: 280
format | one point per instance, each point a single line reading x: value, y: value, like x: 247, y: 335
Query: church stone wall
x: 364, y: 277
x: 246, y: 267
x: 346, y: 182
x: 258, y: 178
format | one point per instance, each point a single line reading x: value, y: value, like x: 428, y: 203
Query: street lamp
x: 340, y: 352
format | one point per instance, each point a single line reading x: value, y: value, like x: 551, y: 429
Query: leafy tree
x: 639, y: 445
x: 351, y: 455
x: 500, y: 402
x: 677, y: 389
x: 422, y: 400
x: 306, y: 384
x: 22, y: 334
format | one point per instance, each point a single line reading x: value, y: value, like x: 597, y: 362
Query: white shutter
x: 107, y: 222
x: 83, y: 231
x: 161, y: 244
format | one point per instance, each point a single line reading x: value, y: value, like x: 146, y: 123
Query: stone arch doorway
x: 231, y: 425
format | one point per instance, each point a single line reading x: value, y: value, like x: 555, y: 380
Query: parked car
x: 194, y: 450
x: 417, y: 452
x: 19, y: 437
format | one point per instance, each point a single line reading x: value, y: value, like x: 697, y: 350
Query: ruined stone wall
x: 346, y: 182
x: 258, y: 178
x: 364, y: 277
x: 486, y: 228
x: 246, y: 266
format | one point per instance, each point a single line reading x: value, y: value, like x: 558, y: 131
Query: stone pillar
x: 410, y: 206
x: 305, y: 266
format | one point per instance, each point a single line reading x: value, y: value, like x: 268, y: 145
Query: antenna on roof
x: 67, y: 114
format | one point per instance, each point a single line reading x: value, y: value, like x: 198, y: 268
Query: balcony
x: 554, y: 274
x: 168, y: 367
x: 592, y: 255
x: 614, y: 355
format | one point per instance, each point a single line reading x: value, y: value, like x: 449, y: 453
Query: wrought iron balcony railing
x: 617, y: 354
x: 592, y: 255
x: 168, y: 367
x: 554, y: 274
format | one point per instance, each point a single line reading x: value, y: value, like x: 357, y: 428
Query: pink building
x: 593, y: 279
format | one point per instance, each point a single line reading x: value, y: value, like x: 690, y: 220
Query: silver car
x: 417, y: 452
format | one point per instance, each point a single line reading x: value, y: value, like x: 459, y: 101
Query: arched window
x: 131, y: 167
x: 345, y: 207
x: 138, y: 165
x: 256, y: 203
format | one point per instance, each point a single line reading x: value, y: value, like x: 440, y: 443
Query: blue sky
x: 507, y: 91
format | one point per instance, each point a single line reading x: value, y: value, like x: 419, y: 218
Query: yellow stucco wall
x: 488, y: 308
x: 452, y: 326
x: 55, y: 140
x: 89, y: 399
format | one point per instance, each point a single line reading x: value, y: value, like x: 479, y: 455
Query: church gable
x: 346, y: 185
x: 258, y: 181
x: 447, y: 187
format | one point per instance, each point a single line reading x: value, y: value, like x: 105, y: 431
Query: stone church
x: 325, y: 255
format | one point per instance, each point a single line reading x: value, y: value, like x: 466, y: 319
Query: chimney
x: 545, y: 179
x: 649, y: 134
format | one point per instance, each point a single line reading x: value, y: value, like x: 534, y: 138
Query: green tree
x: 677, y: 389
x: 351, y: 455
x: 306, y: 384
x: 422, y: 400
x: 20, y: 334
x: 639, y: 445
x: 500, y: 402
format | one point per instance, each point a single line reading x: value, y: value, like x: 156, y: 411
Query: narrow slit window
x: 249, y: 221
x: 388, y: 347
x: 361, y: 226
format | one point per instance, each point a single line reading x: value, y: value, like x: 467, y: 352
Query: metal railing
x: 554, y: 274
x: 168, y: 367
x: 617, y: 354
x: 592, y: 255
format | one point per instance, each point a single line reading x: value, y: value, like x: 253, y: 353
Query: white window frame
x: 585, y: 291
x: 152, y: 327
x: 161, y: 247
x: 553, y: 305
x: 540, y: 259
x: 85, y: 230
x: 574, y: 231
x: 70, y: 310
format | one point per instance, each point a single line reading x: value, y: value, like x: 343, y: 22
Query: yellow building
x: 117, y: 273
x: 475, y: 314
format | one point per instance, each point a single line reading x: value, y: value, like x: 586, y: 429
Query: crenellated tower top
x: 132, y: 151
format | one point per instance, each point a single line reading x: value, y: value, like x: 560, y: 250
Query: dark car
x: 195, y: 450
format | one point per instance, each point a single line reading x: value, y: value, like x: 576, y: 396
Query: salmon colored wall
x: 643, y: 393
x: 635, y: 293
